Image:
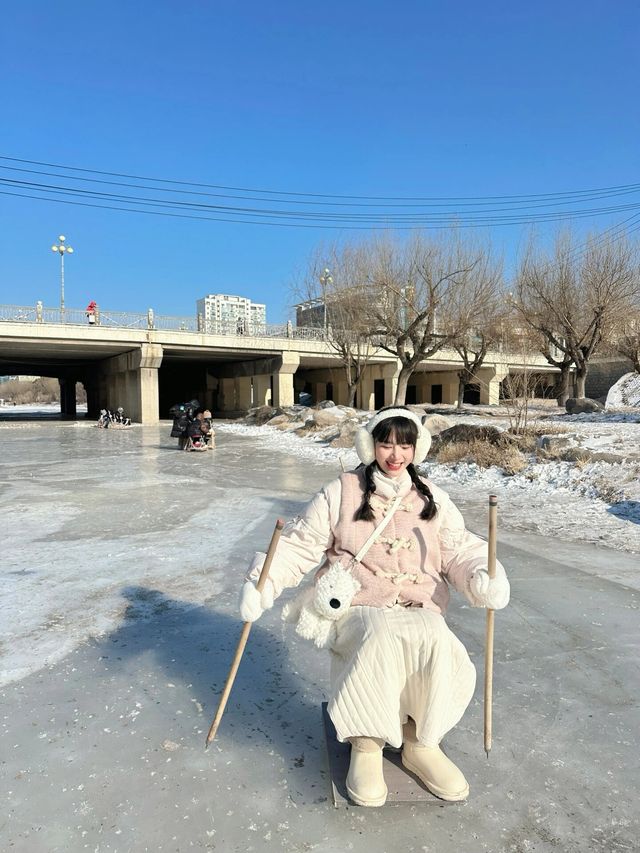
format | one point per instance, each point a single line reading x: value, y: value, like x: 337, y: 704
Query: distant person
x: 121, y: 418
x: 91, y: 312
x: 205, y: 428
x: 240, y: 326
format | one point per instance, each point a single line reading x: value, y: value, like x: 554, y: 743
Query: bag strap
x: 358, y: 557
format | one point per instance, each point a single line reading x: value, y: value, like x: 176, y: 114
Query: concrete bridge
x: 148, y: 369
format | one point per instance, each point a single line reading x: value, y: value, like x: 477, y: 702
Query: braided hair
x: 403, y: 431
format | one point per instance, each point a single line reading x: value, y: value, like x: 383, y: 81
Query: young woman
x: 398, y: 674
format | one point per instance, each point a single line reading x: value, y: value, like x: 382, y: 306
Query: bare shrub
x: 528, y: 438
x: 485, y: 455
x: 539, y: 431
x: 549, y: 454
x: 608, y: 491
x: 518, y: 389
x: 582, y: 463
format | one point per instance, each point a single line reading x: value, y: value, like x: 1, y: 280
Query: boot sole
x: 448, y: 796
x: 361, y: 802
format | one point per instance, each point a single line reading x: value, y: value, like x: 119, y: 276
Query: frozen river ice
x: 122, y: 560
x: 88, y: 512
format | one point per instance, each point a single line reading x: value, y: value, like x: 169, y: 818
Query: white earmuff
x: 364, y: 445
x: 423, y: 444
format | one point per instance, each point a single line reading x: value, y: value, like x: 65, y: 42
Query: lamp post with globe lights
x: 325, y: 279
x: 62, y: 249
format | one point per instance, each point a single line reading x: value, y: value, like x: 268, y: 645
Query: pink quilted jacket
x: 413, y: 561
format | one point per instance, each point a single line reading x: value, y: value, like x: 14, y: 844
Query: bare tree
x: 334, y: 280
x: 573, y: 297
x: 625, y: 338
x: 536, y: 341
x: 476, y: 316
x: 628, y: 344
x: 412, y: 299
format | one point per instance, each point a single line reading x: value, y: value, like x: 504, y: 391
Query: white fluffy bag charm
x: 317, y: 609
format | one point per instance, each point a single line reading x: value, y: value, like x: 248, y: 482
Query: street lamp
x: 325, y: 279
x: 62, y: 250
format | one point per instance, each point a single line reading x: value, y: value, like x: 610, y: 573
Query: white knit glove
x: 489, y: 592
x: 252, y: 603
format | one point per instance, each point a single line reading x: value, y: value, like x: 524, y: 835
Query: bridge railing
x: 120, y: 320
x: 18, y: 314
x: 131, y: 320
x: 71, y: 316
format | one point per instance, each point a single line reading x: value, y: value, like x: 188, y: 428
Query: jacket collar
x: 391, y: 487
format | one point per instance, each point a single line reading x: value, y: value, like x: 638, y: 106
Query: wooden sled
x: 188, y: 445
x: 403, y: 786
x: 112, y: 425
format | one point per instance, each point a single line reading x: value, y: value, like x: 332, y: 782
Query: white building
x: 222, y: 313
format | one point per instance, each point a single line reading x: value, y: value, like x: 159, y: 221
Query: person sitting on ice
x: 398, y: 673
x: 208, y: 434
x: 194, y: 431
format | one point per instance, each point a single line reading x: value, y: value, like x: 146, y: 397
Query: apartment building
x: 223, y: 313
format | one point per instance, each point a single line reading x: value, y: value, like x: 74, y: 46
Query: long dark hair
x: 404, y: 431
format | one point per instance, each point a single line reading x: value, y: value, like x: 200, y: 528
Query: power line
x: 621, y: 187
x: 164, y: 213
x: 507, y: 216
x: 592, y: 194
x: 238, y: 221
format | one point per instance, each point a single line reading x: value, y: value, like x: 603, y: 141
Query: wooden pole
x: 244, y: 636
x: 488, y: 654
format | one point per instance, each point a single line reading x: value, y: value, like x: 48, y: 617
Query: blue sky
x: 340, y: 98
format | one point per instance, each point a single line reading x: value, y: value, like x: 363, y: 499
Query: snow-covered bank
x: 596, y: 502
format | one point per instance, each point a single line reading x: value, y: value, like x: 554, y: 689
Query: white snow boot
x: 365, y: 782
x: 429, y: 763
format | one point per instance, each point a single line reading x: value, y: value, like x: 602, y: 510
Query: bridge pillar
x: 489, y: 379
x: 132, y: 382
x: 147, y: 400
x: 211, y: 401
x: 318, y: 391
x: 67, y: 397
x: 421, y: 382
x: 366, y: 396
x: 243, y: 392
x: 341, y: 392
x: 226, y: 395
x: 283, y: 394
x: 450, y: 388
x: 92, y: 389
x: 390, y: 373
x: 262, y: 390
